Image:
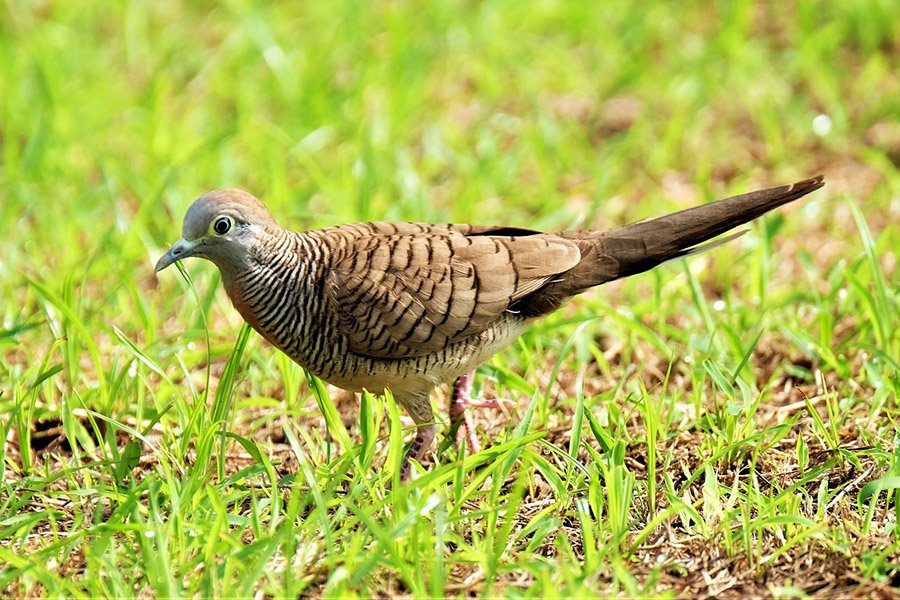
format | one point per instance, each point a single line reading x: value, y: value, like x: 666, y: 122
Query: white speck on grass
x: 191, y: 345
x: 275, y: 57
x: 132, y: 370
x: 149, y: 534
x: 315, y: 140
x: 821, y: 125
x: 719, y: 305
x: 433, y: 501
x: 358, y: 169
x: 842, y: 293
x: 340, y: 574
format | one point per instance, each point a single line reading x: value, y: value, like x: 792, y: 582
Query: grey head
x: 222, y: 226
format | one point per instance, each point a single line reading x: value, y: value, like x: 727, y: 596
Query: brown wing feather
x: 419, y: 288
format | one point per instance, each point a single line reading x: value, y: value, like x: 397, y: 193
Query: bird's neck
x: 274, y: 288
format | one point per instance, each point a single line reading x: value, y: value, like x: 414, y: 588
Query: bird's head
x: 221, y: 226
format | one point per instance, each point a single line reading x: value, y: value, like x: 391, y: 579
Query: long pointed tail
x: 643, y: 245
x: 635, y: 248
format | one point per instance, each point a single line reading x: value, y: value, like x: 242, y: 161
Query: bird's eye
x: 222, y: 225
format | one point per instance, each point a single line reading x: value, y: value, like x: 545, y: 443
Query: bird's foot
x: 420, y: 445
x: 461, y: 417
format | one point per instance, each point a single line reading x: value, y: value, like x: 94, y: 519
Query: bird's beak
x: 181, y: 249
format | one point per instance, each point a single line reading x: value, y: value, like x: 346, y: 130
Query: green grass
x: 728, y: 424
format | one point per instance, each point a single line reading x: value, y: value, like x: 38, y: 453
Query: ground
x: 723, y: 426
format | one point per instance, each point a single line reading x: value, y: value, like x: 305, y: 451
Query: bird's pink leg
x: 420, y: 445
x: 419, y: 408
x: 460, y: 401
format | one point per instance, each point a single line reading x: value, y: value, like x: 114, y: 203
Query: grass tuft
x: 723, y: 426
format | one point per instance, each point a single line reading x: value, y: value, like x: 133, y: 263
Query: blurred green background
x: 546, y: 114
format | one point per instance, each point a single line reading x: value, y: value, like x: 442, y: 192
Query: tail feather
x: 635, y: 248
x: 644, y: 245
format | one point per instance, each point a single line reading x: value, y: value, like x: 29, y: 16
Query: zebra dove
x: 407, y: 306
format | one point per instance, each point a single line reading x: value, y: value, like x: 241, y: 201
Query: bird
x: 407, y: 307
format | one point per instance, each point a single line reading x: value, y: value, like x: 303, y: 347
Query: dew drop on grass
x: 842, y: 294
x: 719, y: 305
x: 149, y: 534
x: 132, y: 371
x: 191, y: 345
x: 821, y: 125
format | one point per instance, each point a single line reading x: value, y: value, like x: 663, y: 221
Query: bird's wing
x: 401, y: 292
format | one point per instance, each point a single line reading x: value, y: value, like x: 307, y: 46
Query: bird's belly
x: 420, y: 374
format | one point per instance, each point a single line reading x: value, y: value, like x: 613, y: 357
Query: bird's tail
x: 635, y: 248
x: 641, y: 246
